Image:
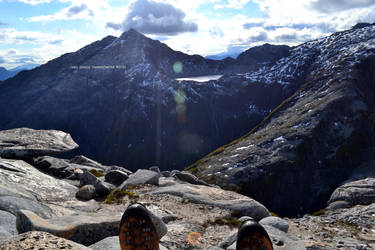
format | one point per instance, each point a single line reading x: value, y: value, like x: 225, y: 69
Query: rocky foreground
x: 52, y: 203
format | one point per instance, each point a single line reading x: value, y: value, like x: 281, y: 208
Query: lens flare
x: 178, y: 67
x: 194, y: 238
x: 180, y: 97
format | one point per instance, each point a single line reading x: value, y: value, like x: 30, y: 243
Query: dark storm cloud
x: 74, y: 10
x: 329, y: 6
x: 258, y: 37
x: 151, y: 17
x: 287, y: 37
x: 115, y: 26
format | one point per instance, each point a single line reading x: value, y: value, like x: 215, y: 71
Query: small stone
x: 86, y: 192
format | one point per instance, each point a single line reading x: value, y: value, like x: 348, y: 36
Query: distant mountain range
x: 119, y: 98
x: 5, y: 74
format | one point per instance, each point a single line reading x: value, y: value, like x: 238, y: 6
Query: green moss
x: 222, y: 221
x: 117, y: 194
x: 96, y: 173
x: 320, y: 212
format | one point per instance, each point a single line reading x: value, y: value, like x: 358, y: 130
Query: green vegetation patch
x: 222, y: 221
x: 96, y: 173
x: 117, y: 195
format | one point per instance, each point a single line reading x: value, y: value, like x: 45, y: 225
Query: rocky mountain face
x: 119, y: 99
x: 315, y: 139
x: 55, y: 203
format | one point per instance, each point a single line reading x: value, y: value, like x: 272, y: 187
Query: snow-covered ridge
x: 343, y: 48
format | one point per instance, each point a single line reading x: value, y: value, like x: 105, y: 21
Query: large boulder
x: 142, y: 176
x: 7, y: 225
x: 116, y: 177
x: 63, y: 168
x: 84, y: 229
x: 359, y: 192
x: 24, y: 187
x: 86, y: 192
x: 24, y: 143
x: 199, y: 194
x: 187, y: 177
x: 40, y: 240
x: 275, y: 222
x: 112, y: 243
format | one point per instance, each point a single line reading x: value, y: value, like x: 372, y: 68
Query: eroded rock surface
x: 25, y: 143
x: 40, y: 240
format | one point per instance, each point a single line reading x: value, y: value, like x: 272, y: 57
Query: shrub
x: 117, y: 194
x: 229, y: 221
x: 96, y: 173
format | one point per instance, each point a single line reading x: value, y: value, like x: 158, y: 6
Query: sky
x: 36, y: 31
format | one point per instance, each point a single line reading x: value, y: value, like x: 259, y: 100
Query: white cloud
x: 235, y: 4
x: 329, y: 6
x: 46, y: 46
x: 151, y: 17
x: 34, y: 2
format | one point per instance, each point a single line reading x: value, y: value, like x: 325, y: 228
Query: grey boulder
x: 86, y: 192
x: 24, y: 143
x: 22, y: 186
x: 199, y: 194
x: 85, y: 229
x: 112, y: 243
x: 358, y: 192
x: 142, y: 176
x: 88, y: 178
x: 116, y: 177
x: 103, y: 188
x: 275, y: 222
x: 187, y: 177
x: 7, y: 225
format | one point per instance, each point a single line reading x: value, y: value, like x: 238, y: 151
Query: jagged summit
x: 131, y: 33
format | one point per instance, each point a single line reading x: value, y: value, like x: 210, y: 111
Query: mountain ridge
x: 315, y: 138
x: 136, y: 107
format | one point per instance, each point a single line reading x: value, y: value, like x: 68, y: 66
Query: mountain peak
x: 131, y: 33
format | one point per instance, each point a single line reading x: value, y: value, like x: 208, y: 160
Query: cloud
x: 159, y: 18
x: 25, y: 38
x: 34, y: 2
x: 76, y: 9
x: 3, y: 24
x: 329, y: 6
x: 258, y: 36
x: 12, y: 52
x: 234, y: 4
x: 216, y: 32
x: 56, y: 42
x: 115, y: 26
x: 2, y: 60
